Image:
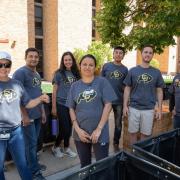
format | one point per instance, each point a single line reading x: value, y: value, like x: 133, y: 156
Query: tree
x: 102, y: 53
x: 154, y: 22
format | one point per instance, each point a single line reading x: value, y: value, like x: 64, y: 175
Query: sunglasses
x: 6, y: 65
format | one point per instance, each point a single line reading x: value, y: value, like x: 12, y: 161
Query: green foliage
x: 78, y: 54
x: 155, y: 63
x: 153, y: 22
x: 102, y: 53
x: 46, y: 87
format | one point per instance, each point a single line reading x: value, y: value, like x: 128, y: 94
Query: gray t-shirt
x: 175, y: 90
x: 64, y: 84
x: 115, y: 74
x: 32, y: 83
x: 143, y: 82
x: 12, y: 94
x: 88, y: 99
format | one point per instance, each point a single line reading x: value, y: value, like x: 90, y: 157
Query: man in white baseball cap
x: 5, y: 55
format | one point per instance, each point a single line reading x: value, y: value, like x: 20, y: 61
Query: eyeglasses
x: 6, y: 65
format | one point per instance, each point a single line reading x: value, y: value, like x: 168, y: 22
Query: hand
x: 158, y: 115
x: 95, y: 135
x: 83, y: 135
x: 125, y: 111
x: 45, y: 98
x: 25, y: 121
x: 173, y: 113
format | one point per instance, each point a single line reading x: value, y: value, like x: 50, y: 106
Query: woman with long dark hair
x: 63, y: 78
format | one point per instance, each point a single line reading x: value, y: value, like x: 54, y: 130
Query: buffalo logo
x: 177, y: 83
x: 145, y: 78
x: 116, y: 75
x: 9, y: 95
x: 87, y: 95
x: 36, y: 82
x: 69, y: 80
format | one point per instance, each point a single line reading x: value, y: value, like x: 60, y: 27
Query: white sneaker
x: 70, y: 153
x: 57, y: 152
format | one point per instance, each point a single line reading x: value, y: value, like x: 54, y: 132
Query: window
x: 94, y: 3
x: 38, y: 8
x: 39, y: 46
x: 38, y: 21
x: 38, y: 1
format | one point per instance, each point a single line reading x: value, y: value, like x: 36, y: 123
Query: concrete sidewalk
x: 58, y: 167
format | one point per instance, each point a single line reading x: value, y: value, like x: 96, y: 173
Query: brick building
x: 52, y: 26
x: 55, y: 26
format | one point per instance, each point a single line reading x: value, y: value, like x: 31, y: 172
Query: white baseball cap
x: 5, y: 55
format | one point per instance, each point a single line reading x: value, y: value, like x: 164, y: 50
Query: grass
x: 46, y: 87
x: 168, y: 81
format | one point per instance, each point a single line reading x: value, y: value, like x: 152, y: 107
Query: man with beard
x: 144, y: 87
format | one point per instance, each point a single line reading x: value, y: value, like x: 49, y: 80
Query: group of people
x: 81, y: 101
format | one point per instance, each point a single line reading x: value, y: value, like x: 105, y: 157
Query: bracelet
x: 73, y: 121
x: 99, y: 127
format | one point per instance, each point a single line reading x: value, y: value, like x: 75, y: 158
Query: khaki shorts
x: 140, y: 120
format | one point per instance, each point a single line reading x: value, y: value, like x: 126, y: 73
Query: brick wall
x: 14, y: 27
x: 178, y: 55
x: 31, y: 23
x: 162, y: 58
x: 98, y: 7
x: 50, y: 40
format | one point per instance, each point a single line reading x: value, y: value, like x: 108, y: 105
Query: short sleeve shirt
x: 31, y: 81
x: 88, y: 100
x: 12, y: 94
x: 175, y: 90
x: 115, y: 74
x: 64, y: 84
x: 143, y: 83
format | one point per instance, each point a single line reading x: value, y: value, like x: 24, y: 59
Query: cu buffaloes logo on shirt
x: 9, y: 95
x: 87, y: 95
x: 145, y: 78
x: 36, y: 82
x: 177, y: 83
x: 69, y: 80
x: 116, y: 75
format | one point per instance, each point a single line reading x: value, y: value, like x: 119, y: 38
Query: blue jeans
x: 31, y: 133
x: 16, y: 147
x: 176, y: 121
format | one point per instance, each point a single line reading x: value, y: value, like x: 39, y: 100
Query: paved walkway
x: 57, y: 167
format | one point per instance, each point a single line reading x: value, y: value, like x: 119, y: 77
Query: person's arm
x: 54, y: 108
x: 83, y: 135
x: 25, y: 116
x: 104, y: 118
x: 159, y: 93
x: 127, y: 91
x: 34, y: 102
x: 43, y: 114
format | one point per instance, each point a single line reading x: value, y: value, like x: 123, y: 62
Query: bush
x: 155, y: 63
x: 102, y: 53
